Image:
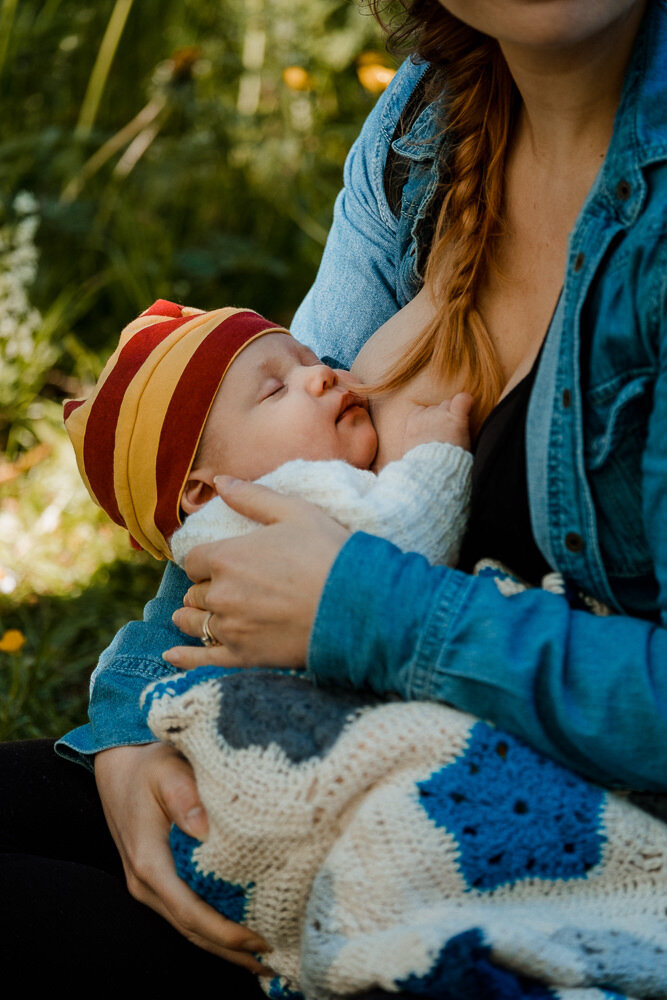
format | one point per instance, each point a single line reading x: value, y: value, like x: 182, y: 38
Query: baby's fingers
x: 461, y: 405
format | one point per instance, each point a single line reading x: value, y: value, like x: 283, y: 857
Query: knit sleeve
x: 419, y: 502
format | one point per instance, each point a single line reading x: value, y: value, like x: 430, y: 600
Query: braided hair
x: 478, y: 99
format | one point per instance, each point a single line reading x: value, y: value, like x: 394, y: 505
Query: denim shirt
x: 591, y: 692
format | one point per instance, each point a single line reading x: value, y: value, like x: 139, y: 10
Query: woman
x: 553, y: 202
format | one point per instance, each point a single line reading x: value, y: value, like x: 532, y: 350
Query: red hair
x: 478, y: 101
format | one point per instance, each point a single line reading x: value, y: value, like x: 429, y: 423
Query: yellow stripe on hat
x: 140, y: 422
x: 78, y: 419
x: 160, y: 539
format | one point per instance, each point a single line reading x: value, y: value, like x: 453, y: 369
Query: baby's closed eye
x: 273, y: 388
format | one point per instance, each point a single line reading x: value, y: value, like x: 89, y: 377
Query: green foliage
x: 26, y: 352
x: 168, y: 156
x: 44, y: 686
x: 183, y: 149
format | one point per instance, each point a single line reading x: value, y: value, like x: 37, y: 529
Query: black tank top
x: 499, y: 526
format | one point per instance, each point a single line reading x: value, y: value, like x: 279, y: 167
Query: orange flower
x: 297, y: 78
x: 375, y: 77
x: 12, y: 641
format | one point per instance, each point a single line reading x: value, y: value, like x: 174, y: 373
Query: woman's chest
x: 378, y: 358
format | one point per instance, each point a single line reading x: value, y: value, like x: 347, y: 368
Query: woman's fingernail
x: 172, y: 658
x: 194, y: 820
x: 225, y: 480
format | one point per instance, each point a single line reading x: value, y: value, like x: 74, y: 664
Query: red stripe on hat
x: 70, y: 405
x: 188, y: 409
x: 100, y: 435
x: 162, y: 307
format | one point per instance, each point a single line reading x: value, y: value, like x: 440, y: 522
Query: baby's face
x: 276, y: 403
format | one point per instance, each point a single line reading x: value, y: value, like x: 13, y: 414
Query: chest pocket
x: 615, y: 437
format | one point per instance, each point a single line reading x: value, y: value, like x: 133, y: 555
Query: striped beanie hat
x: 136, y: 436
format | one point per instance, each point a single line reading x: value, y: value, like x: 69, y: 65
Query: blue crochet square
x: 464, y: 970
x: 229, y: 898
x: 515, y: 815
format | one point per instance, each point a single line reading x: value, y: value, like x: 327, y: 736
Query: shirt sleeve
x: 419, y: 502
x: 125, y: 668
x: 590, y: 692
x: 355, y: 289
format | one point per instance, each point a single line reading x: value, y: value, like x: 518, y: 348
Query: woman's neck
x: 570, y: 94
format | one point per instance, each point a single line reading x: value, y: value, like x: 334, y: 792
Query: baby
x: 188, y: 396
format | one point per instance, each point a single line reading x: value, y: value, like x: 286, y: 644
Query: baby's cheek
x: 366, y: 442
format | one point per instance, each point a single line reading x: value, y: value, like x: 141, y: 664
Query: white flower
x: 25, y: 203
x: 24, y: 357
x: 8, y: 581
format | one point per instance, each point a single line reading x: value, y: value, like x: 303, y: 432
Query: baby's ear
x: 198, y: 490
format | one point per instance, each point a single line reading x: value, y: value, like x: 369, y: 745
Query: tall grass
x: 154, y: 175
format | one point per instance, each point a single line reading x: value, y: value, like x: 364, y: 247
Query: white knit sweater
x: 420, y: 502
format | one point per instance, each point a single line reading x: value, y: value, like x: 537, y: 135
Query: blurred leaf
x: 229, y: 254
x: 7, y: 14
x: 102, y: 67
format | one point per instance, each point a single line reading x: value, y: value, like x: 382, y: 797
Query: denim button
x: 623, y: 190
x: 573, y: 542
x: 566, y: 398
x: 579, y: 261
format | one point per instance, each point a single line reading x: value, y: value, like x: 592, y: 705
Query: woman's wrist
x: 368, y: 621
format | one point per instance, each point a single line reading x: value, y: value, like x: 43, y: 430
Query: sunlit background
x: 183, y: 149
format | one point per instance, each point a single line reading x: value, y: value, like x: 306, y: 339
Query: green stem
x: 45, y: 17
x: 100, y: 73
x: 7, y: 14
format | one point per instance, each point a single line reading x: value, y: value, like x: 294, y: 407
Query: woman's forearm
x: 587, y: 691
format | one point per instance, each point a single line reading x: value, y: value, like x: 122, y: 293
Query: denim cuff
x: 430, y: 678
x: 375, y: 607
x: 80, y: 746
x: 116, y: 718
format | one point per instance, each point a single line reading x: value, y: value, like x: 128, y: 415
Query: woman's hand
x: 143, y: 791
x: 261, y: 590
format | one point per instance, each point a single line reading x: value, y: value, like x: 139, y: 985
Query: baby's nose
x: 321, y: 378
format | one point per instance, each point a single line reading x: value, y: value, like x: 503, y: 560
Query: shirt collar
x: 423, y: 140
x: 639, y: 137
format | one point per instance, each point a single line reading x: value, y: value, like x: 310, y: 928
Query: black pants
x: 64, y: 907
x: 65, y: 912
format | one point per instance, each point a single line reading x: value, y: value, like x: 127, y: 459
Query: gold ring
x: 207, y: 637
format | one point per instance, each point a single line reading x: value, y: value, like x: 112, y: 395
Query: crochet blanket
x: 408, y: 846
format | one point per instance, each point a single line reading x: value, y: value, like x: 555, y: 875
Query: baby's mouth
x: 350, y: 401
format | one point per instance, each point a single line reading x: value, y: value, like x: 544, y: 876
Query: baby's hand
x: 448, y: 422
